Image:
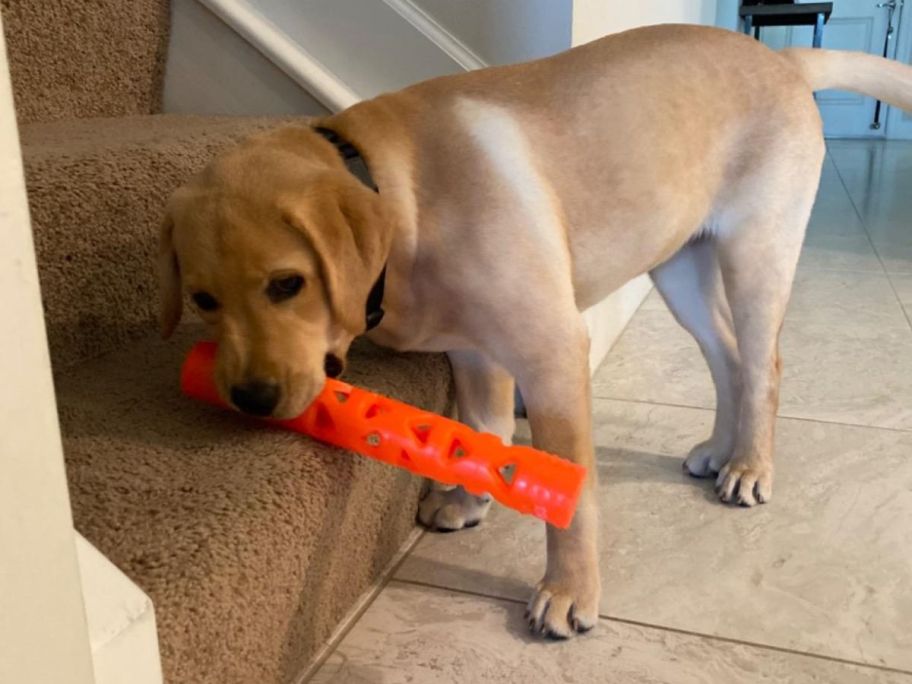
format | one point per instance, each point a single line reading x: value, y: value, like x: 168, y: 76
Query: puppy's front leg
x: 557, y: 396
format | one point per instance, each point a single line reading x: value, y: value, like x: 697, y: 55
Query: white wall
x: 212, y: 70
x: 505, y: 31
x: 727, y: 14
x: 595, y: 18
x: 43, y: 633
x: 364, y: 43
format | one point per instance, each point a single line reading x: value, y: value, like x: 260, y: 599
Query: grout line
x: 899, y: 299
x: 778, y: 415
x: 647, y: 402
x: 360, y: 606
x: 864, y: 225
x: 804, y: 268
x: 467, y: 592
x: 754, y: 644
x: 675, y: 630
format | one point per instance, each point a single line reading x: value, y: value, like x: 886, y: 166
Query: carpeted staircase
x: 252, y: 543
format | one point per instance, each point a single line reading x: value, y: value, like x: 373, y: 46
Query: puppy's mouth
x: 296, y: 403
x: 303, y: 390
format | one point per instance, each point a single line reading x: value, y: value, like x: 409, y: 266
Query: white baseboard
x: 608, y: 318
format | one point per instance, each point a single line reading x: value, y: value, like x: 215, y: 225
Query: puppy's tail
x: 859, y: 72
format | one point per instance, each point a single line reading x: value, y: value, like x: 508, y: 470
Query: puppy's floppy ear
x: 350, y: 233
x: 169, y: 279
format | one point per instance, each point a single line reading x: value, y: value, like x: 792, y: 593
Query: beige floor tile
x: 878, y: 177
x: 655, y: 360
x: 422, y: 635
x: 864, y: 300
x: 834, y: 213
x: 846, y: 344
x: 839, y: 252
x: 854, y: 377
x: 824, y: 568
x: 897, y: 258
x: 885, y: 211
x: 868, y: 167
x: 903, y: 285
x: 890, y: 227
x: 888, y: 217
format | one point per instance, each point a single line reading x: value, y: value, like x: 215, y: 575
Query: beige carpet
x: 83, y: 58
x: 252, y: 543
x: 96, y: 191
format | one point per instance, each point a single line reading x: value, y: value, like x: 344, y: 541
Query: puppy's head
x: 277, y: 246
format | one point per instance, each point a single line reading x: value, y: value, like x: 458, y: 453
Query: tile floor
x: 814, y: 587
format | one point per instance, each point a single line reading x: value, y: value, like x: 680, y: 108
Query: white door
x: 859, y: 25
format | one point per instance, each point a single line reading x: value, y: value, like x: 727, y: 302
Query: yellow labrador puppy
x: 509, y: 200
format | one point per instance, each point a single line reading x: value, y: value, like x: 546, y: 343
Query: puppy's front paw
x: 448, y: 510
x: 706, y: 459
x: 560, y: 609
x: 745, y: 481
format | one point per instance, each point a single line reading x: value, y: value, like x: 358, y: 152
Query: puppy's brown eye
x: 284, y: 288
x: 205, y: 301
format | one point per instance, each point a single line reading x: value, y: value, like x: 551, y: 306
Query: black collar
x: 351, y: 156
x: 373, y: 312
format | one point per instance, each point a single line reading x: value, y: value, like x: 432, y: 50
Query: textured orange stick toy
x: 445, y: 450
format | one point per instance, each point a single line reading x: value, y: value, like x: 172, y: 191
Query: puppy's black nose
x: 333, y: 366
x: 256, y: 398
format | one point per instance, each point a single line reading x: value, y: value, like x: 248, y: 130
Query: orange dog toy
x: 445, y: 450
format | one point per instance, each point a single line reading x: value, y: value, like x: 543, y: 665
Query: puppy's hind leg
x: 691, y: 285
x: 484, y: 396
x: 758, y: 260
